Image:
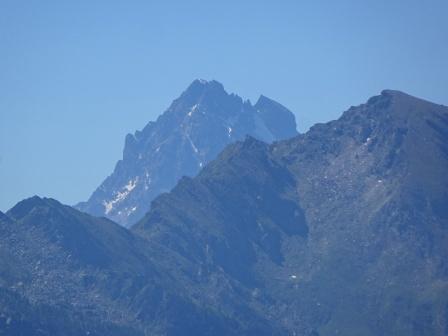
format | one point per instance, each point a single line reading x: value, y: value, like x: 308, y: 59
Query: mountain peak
x: 387, y: 96
x: 249, y: 143
x: 357, y: 189
x: 308, y: 235
x: 389, y: 92
x: 191, y: 132
x: 24, y: 207
x: 201, y: 86
x: 206, y: 82
x: 264, y: 100
x: 280, y: 121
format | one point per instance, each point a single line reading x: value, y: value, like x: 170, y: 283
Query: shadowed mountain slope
x: 344, y: 228
x: 65, y: 272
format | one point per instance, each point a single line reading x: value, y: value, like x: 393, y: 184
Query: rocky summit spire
x: 190, y: 133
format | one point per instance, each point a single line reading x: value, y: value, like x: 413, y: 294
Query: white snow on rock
x: 131, y: 184
x: 195, y: 149
x: 368, y: 140
x: 120, y: 195
x: 193, y: 109
x: 108, y: 206
x: 148, y: 180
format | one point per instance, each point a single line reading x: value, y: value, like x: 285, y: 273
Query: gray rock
x: 194, y: 129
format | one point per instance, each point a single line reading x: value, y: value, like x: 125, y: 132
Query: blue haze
x: 76, y: 76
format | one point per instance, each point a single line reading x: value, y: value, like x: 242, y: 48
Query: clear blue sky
x: 76, y: 76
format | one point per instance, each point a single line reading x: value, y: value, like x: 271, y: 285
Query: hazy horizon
x: 77, y: 77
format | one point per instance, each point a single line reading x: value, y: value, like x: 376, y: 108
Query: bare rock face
x: 342, y: 230
x: 64, y: 272
x: 194, y: 129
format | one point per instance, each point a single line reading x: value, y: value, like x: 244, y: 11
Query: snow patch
x: 193, y: 109
x: 148, y: 181
x: 195, y: 149
x: 120, y: 195
x: 368, y: 140
x: 108, y: 206
x: 131, y: 184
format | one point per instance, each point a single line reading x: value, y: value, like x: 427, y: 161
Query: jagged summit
x: 206, y: 84
x: 312, y: 235
x: 200, y: 87
x: 337, y: 225
x: 190, y: 133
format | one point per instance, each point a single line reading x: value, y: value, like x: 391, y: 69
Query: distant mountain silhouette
x: 194, y: 129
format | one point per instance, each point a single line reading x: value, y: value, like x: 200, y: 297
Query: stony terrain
x: 67, y: 273
x: 342, y: 230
